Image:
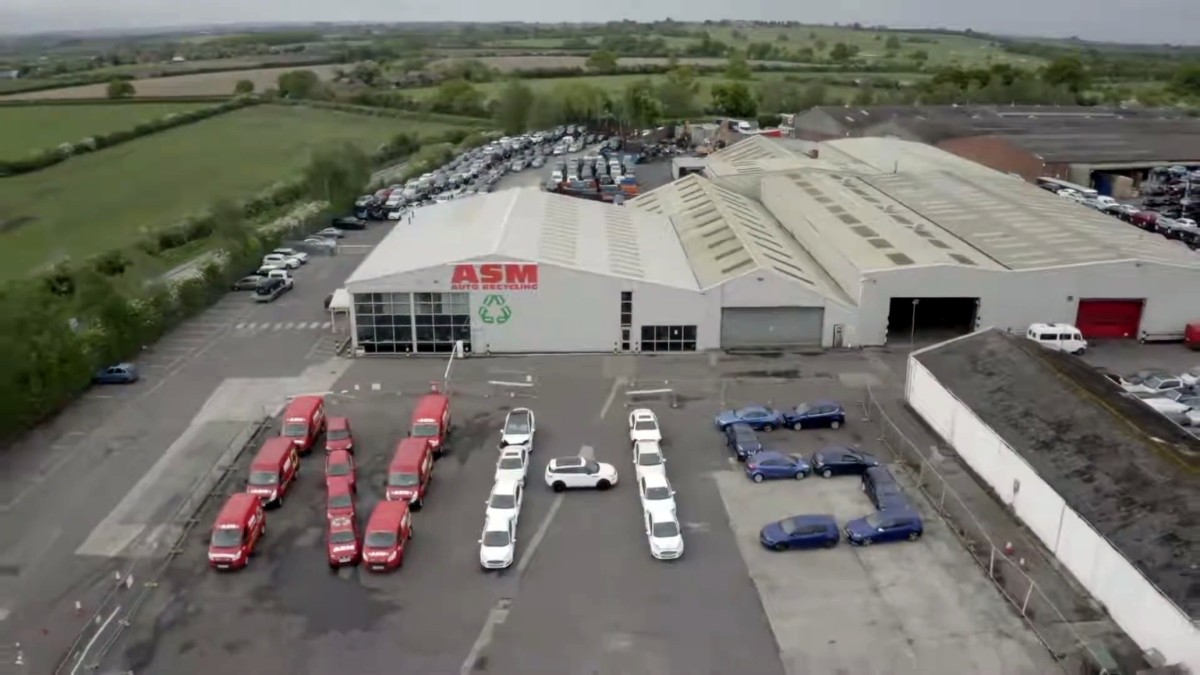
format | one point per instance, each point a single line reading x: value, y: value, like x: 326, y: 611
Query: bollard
x: 1008, y: 548
x: 78, y: 608
x: 129, y: 581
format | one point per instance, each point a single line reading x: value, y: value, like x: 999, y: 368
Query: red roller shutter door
x: 1109, y: 319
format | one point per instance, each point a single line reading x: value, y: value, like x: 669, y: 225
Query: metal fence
x: 1066, y: 645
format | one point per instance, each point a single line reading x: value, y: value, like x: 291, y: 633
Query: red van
x: 410, y: 472
x: 340, y: 502
x: 273, y: 471
x: 388, y: 532
x: 339, y: 435
x: 342, y: 544
x: 431, y: 421
x: 240, y: 524
x: 303, y: 421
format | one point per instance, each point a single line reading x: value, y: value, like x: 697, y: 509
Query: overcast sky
x: 1151, y: 21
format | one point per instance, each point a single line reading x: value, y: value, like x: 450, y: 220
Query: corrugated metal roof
x: 529, y: 224
x: 726, y: 235
x: 892, y: 155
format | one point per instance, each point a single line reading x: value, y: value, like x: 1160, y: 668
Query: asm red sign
x: 495, y: 277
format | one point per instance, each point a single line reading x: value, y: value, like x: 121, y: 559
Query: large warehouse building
x: 1108, y: 485
x: 779, y: 243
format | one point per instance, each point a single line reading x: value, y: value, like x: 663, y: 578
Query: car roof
x: 497, y: 522
x: 643, y: 412
x: 655, y: 480
x: 813, y: 519
x: 338, y: 485
x: 302, y: 406
x: 340, y: 454
x: 337, y: 422
x: 568, y: 461
x: 387, y: 515
x: 272, y: 451
x: 772, y: 453
x: 430, y: 406
x: 878, y: 472
x: 505, y: 487
x: 409, y: 453
x: 235, y: 508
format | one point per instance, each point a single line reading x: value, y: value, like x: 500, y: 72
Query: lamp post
x: 912, y: 326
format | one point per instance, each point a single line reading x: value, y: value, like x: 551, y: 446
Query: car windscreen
x: 494, y: 538
x: 404, y: 480
x: 342, y: 537
x: 645, y: 425
x: 665, y: 529
x: 510, y: 463
x: 342, y: 501
x: 227, y: 537
x: 802, y: 408
x: 425, y: 430
x: 874, y: 520
x: 502, y: 501
x: 340, y: 469
x: 657, y: 493
x: 263, y: 477
x: 338, y: 435
x: 649, y: 459
x: 789, y: 526
x: 380, y: 539
x: 295, y: 430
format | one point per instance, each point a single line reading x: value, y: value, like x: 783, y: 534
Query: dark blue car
x: 122, y: 373
x: 885, y: 526
x: 839, y: 460
x: 815, y: 531
x: 883, y: 490
x: 815, y: 415
x: 757, y: 417
x: 771, y: 464
x: 742, y: 441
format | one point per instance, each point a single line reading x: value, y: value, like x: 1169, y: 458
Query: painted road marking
x: 240, y: 326
x: 612, y: 396
x: 91, y: 643
x: 495, y: 617
x: 277, y: 326
x: 327, y: 324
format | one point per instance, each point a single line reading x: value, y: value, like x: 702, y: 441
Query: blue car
x: 815, y: 415
x: 742, y: 441
x: 770, y: 464
x: 885, y: 493
x: 839, y: 460
x: 122, y: 373
x: 815, y: 531
x: 885, y: 526
x: 757, y: 417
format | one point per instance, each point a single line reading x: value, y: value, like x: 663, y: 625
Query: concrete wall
x: 1013, y: 300
x: 763, y: 288
x: 1003, y: 155
x: 1149, y: 617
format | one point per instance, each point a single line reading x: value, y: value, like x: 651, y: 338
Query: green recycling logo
x: 495, y: 310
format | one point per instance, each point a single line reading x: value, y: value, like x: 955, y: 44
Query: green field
x: 102, y: 201
x: 613, y: 84
x: 32, y: 128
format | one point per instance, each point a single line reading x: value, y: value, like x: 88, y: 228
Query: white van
x: 1061, y: 337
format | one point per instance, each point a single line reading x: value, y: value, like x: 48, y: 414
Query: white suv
x: 505, y: 501
x: 577, y: 472
x: 648, y: 459
x: 497, y: 544
x: 664, y: 535
x: 643, y: 426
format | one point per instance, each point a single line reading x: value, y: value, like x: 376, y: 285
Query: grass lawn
x: 101, y: 201
x: 613, y: 84
x: 32, y: 128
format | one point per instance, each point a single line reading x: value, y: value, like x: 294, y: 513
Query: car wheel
x: 757, y: 478
x: 603, y: 485
x: 768, y: 427
x: 797, y: 426
x: 559, y: 486
x: 800, y: 475
x: 866, y: 541
x: 779, y: 547
x: 827, y: 473
x: 913, y: 536
x: 279, y: 501
x: 834, y: 424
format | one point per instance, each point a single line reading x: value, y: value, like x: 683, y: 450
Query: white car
x: 331, y: 233
x: 519, y: 428
x: 280, y: 260
x: 320, y: 242
x: 1156, y: 383
x: 513, y: 465
x: 568, y: 473
x: 1190, y: 378
x: 1162, y: 403
x: 1185, y: 222
x: 664, y: 535
x: 505, y: 501
x: 288, y: 281
x: 497, y: 544
x: 643, y: 426
x: 648, y: 458
x: 657, y: 495
x: 293, y: 253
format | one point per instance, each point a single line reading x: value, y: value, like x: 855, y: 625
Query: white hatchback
x: 657, y: 495
x: 648, y: 459
x: 643, y: 426
x: 664, y: 535
x: 513, y: 465
x: 497, y: 544
x: 505, y: 501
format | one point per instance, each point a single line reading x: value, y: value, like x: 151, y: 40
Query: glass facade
x: 404, y: 323
x: 668, y: 338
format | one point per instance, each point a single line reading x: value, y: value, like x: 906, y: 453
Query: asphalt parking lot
x: 88, y: 493
x: 585, y: 596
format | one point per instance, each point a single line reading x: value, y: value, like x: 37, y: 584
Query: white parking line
x: 240, y: 326
x: 92, y: 642
x: 277, y: 326
x: 289, y: 325
x: 327, y: 324
x: 612, y: 396
x: 495, y: 617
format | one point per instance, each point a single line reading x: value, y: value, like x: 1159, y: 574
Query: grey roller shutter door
x: 756, y: 327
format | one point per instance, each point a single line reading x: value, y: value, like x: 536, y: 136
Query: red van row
x: 242, y: 521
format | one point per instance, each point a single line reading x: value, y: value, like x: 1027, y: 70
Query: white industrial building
x: 779, y: 243
x: 1105, y: 483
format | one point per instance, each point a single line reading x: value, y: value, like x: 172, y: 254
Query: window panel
x: 385, y: 348
x: 689, y: 346
x: 364, y: 320
x: 626, y: 296
x: 384, y: 334
x: 647, y: 333
x: 661, y: 333
x: 462, y: 320
x: 462, y: 333
x: 404, y: 333
x: 689, y: 333
x: 401, y: 303
x: 366, y: 334
x: 443, y: 334
x: 423, y: 320
x: 424, y: 334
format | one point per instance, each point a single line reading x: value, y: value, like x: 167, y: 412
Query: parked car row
x: 1175, y: 395
x: 894, y: 519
